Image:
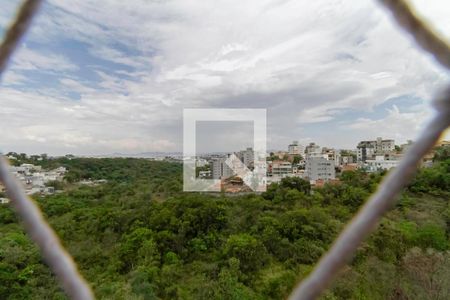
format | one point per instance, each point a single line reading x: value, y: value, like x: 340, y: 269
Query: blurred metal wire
x: 366, y: 220
x: 39, y: 230
x: 369, y: 215
x: 424, y: 36
x: 16, y: 31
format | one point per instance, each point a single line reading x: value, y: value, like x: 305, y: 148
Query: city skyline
x: 224, y: 152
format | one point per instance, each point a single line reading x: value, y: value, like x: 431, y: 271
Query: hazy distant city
x: 311, y: 162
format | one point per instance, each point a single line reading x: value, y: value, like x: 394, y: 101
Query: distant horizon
x: 164, y: 153
x: 118, y: 82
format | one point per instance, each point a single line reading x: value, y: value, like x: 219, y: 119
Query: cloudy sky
x: 98, y: 77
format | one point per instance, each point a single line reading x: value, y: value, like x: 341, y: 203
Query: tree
x: 429, y: 272
x: 139, y: 237
x: 297, y: 159
x: 297, y: 183
x: 432, y: 236
x: 442, y: 153
x: 251, y: 253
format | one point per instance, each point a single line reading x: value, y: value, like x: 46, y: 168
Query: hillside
x: 138, y: 236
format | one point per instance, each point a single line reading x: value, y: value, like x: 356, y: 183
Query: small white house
x: 380, y: 163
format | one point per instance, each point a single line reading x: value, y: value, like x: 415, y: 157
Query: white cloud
x: 399, y: 125
x: 27, y: 59
x: 113, y: 55
x: 60, y: 125
x: 13, y: 78
x: 76, y: 86
x: 305, y: 61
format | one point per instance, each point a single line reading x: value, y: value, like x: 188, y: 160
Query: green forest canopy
x: 140, y: 237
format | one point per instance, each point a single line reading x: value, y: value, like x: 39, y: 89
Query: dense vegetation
x: 139, y: 237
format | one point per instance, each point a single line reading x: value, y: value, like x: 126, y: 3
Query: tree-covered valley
x: 138, y: 236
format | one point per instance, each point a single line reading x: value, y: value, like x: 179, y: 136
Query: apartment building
x: 369, y: 149
x: 247, y: 157
x: 346, y: 159
x: 380, y: 163
x: 295, y: 149
x: 312, y: 148
x: 332, y: 154
x: 219, y: 169
x: 280, y: 168
x: 319, y: 163
x: 319, y: 167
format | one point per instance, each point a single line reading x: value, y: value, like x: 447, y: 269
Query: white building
x: 247, y: 157
x: 277, y: 170
x: 319, y: 163
x: 368, y: 149
x: 295, y: 149
x: 200, y: 162
x: 280, y: 168
x: 364, y: 152
x: 345, y: 160
x: 34, y: 179
x: 319, y: 167
x: 380, y: 163
x: 219, y: 169
x: 204, y: 174
x: 312, y: 148
x: 332, y: 154
x: 405, y: 147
